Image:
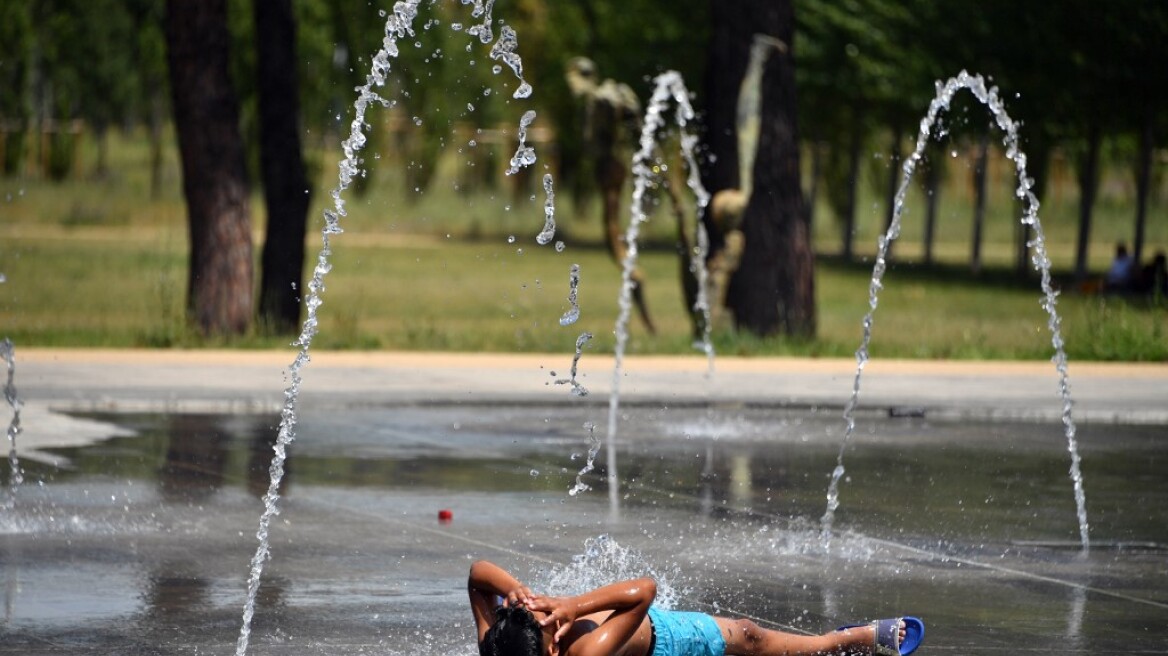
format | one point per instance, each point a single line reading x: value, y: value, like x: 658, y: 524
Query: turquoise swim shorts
x: 677, y: 633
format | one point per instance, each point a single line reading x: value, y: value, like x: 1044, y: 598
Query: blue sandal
x: 887, y: 632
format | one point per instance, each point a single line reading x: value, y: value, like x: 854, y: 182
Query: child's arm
x: 486, y: 582
x: 628, y: 600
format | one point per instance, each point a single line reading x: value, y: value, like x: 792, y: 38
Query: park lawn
x: 125, y: 287
x: 102, y: 262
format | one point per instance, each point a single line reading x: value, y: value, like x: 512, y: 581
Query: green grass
x: 99, y: 263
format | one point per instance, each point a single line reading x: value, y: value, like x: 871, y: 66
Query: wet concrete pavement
x: 139, y: 544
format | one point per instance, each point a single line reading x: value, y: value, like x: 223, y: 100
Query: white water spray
x: 398, y: 25
x: 572, y: 315
x: 15, y: 476
x: 989, y: 97
x: 669, y: 86
x: 589, y: 463
x: 577, y: 388
x: 524, y: 155
x: 546, y: 235
x: 604, y: 561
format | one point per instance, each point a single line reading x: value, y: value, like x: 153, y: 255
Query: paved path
x: 254, y: 380
x: 138, y: 552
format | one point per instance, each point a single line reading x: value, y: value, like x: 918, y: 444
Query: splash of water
x: 669, y: 86
x: 573, y: 314
x: 504, y: 50
x: 397, y: 26
x: 16, y: 476
x: 577, y: 388
x: 524, y: 154
x: 589, y: 464
x: 1024, y: 191
x: 481, y: 10
x: 697, y: 266
x: 605, y: 561
x: 549, y: 212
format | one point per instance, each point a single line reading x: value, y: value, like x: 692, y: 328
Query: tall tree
x: 980, y: 168
x: 855, y: 73
x: 1088, y: 177
x: 149, y: 46
x: 15, y: 71
x: 286, y: 191
x: 206, y: 114
x: 773, y: 290
x: 727, y: 57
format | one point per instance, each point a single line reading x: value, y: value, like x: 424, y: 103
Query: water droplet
x: 496, y: 69
x: 560, y: 247
x: 469, y: 107
x: 535, y: 472
x: 510, y: 238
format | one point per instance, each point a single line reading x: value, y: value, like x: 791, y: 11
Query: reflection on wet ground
x: 140, y: 544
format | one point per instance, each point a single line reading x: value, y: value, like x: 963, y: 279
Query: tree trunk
x: 286, y: 192
x: 727, y: 57
x: 894, y: 159
x: 1143, y: 184
x: 157, y: 119
x: 854, y: 147
x: 932, y: 197
x: 206, y: 114
x: 774, y: 288
x: 813, y: 188
x: 101, y: 138
x: 1088, y: 185
x: 979, y: 201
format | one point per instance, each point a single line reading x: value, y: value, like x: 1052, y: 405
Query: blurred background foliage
x: 865, y: 68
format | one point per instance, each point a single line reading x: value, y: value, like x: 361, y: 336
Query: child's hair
x: 514, y: 633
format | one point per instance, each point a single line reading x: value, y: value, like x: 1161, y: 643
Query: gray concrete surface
x: 132, y: 535
x: 227, y: 380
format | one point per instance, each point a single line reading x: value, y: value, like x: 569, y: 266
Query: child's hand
x: 520, y: 596
x: 560, y: 612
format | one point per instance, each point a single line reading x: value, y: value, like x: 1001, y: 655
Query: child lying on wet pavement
x: 619, y: 619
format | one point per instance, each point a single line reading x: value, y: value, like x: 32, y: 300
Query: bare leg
x: 745, y: 638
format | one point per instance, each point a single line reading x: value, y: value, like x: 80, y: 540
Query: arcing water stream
x: 989, y: 97
x: 398, y: 25
x: 668, y: 86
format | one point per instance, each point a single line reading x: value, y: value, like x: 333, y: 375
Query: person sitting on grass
x: 619, y: 619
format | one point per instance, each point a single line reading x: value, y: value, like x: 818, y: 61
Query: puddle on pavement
x: 141, y: 542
